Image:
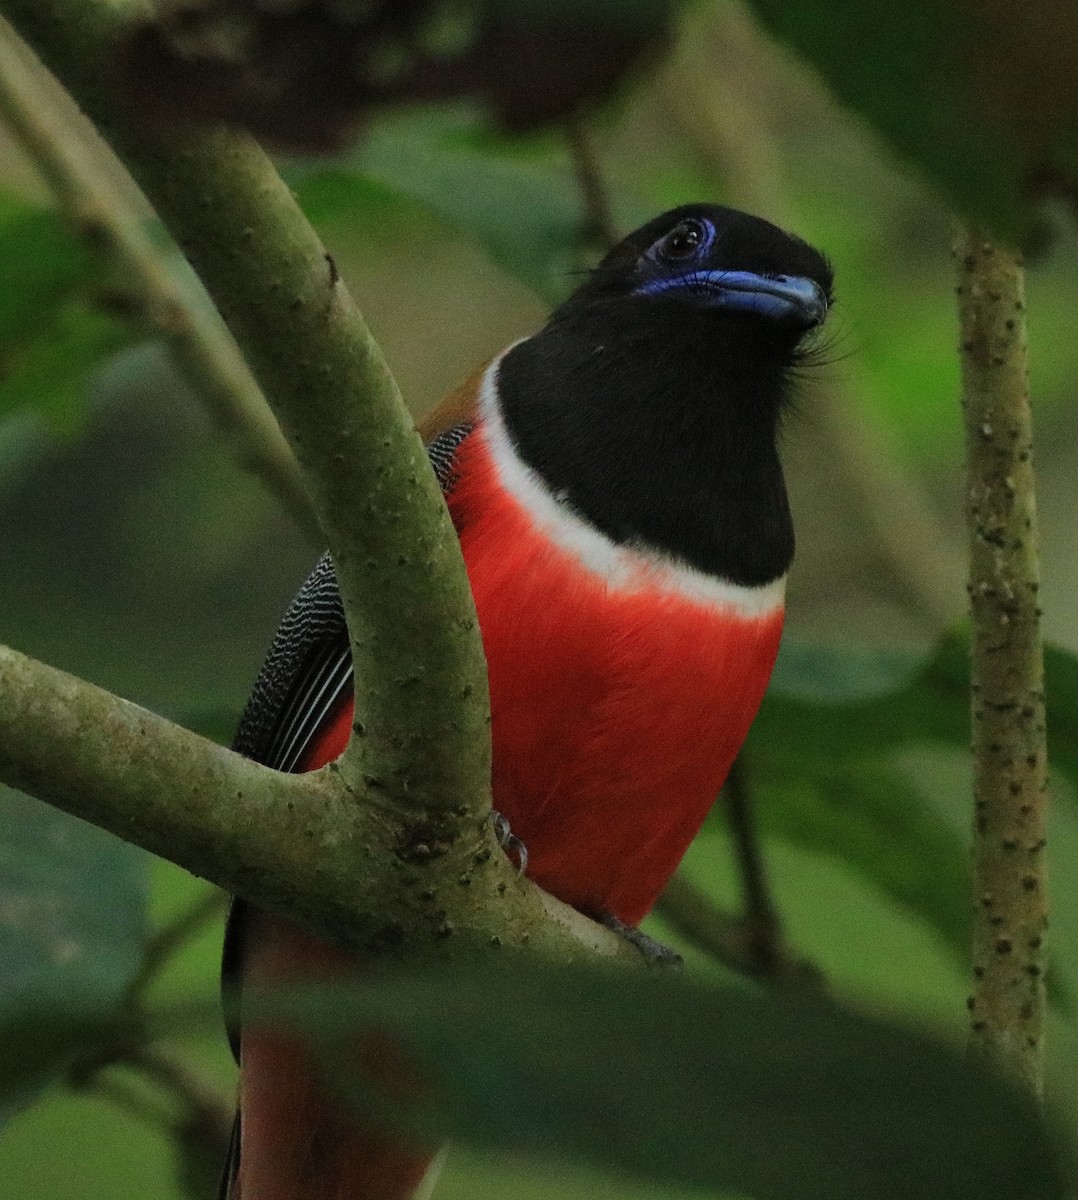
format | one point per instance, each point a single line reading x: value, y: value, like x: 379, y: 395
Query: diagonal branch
x: 422, y: 708
x: 290, y: 843
x: 600, y: 225
x: 112, y: 219
x: 371, y: 851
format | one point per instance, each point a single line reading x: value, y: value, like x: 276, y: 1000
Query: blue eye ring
x: 688, y: 242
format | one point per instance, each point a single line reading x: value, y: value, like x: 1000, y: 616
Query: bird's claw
x: 509, y: 842
x: 651, y: 948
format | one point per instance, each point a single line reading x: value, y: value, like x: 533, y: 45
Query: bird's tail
x: 291, y: 1139
x: 227, y: 1189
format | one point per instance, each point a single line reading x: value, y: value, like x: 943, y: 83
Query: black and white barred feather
x: 306, y: 674
x: 309, y: 664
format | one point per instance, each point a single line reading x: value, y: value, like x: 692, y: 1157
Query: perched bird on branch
x: 616, y: 486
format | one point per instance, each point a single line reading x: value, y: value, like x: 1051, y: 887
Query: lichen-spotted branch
x: 1007, y: 688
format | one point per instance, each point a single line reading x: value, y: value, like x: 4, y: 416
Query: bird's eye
x: 688, y: 239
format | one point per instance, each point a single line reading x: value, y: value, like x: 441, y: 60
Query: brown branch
x: 760, y: 915
x: 340, y: 861
x: 729, y: 938
x: 600, y: 225
x: 172, y: 937
x: 204, y: 1103
x: 198, y: 1113
x: 751, y: 941
x: 369, y: 851
x: 129, y: 1100
x: 422, y: 712
x: 1007, y: 1007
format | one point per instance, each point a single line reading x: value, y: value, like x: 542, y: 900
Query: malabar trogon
x: 616, y: 486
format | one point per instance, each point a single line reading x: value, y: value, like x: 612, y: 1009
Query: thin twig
x: 199, y: 1107
x: 1007, y: 1007
x: 729, y: 938
x: 600, y: 224
x: 129, y: 1100
x: 171, y: 938
x: 109, y: 216
x: 199, y: 1096
x: 759, y: 912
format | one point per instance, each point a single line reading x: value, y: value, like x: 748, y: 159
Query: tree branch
x: 204, y: 1102
x: 209, y: 907
x: 731, y: 939
x: 372, y: 851
x: 760, y: 917
x: 1007, y: 1007
x: 421, y: 709
x: 601, y: 226
x: 109, y: 216
x: 290, y: 843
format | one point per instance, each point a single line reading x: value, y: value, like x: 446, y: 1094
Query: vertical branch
x: 1007, y: 688
x: 600, y: 226
x: 761, y: 917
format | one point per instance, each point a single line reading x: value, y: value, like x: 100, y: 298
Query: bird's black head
x: 649, y: 402
x: 730, y: 264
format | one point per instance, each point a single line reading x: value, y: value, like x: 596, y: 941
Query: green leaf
x: 41, y: 262
x: 774, y: 1095
x: 53, y: 335
x: 821, y: 763
x: 329, y: 194
x: 814, y: 671
x: 979, y: 96
x: 72, y: 924
x: 518, y: 200
x: 51, y: 372
x: 38, y: 1044
x: 527, y: 216
x: 821, y: 760
x: 870, y: 817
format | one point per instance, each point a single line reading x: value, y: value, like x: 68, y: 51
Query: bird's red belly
x: 616, y: 713
x: 616, y: 710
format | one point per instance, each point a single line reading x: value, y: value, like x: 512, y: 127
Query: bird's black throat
x: 656, y: 422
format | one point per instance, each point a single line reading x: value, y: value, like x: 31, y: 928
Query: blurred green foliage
x: 979, y: 96
x: 75, y: 901
x: 55, y: 329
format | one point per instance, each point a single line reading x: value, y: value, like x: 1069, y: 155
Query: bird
x: 616, y: 486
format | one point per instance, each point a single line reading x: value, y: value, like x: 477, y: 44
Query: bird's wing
x: 306, y: 675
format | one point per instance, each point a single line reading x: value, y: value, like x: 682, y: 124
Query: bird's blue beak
x: 792, y: 299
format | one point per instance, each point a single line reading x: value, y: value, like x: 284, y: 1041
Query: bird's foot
x: 653, y: 950
x: 509, y: 842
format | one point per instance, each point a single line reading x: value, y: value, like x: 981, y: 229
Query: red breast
x: 622, y: 685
